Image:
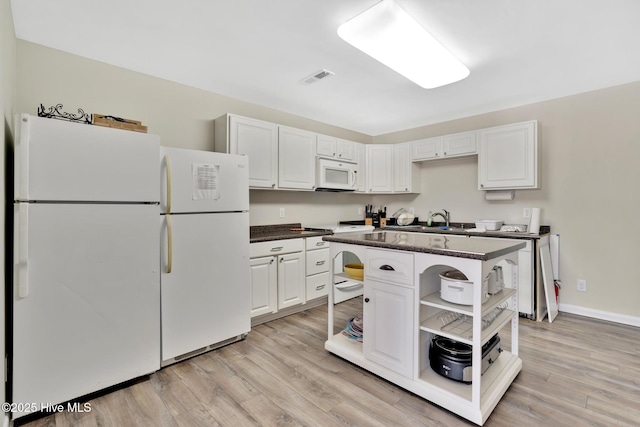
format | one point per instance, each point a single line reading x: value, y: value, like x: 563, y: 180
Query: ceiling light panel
x: 390, y: 35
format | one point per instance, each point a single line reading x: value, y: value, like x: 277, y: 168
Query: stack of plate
x: 354, y: 329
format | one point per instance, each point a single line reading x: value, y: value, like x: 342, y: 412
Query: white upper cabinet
x: 459, y: 144
x: 326, y: 146
x: 346, y: 150
x: 454, y: 145
x: 508, y: 157
x: 297, y: 160
x: 361, y: 174
x: 255, y: 138
x: 379, y: 168
x: 406, y: 175
x: 336, y: 148
x: 389, y: 169
x: 426, y: 149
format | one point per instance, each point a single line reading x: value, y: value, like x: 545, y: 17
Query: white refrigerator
x: 86, y: 293
x: 205, y: 273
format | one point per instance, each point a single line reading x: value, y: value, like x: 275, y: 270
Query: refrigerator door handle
x: 169, y: 244
x: 167, y: 161
x: 22, y: 158
x: 22, y: 270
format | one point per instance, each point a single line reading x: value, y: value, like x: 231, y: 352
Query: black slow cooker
x: 452, y: 359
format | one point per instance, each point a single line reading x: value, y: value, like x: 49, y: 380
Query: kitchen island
x: 403, y: 312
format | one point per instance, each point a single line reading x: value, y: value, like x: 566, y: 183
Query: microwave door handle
x: 355, y: 179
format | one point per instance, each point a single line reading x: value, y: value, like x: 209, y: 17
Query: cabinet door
x: 346, y: 150
x: 507, y: 157
x: 297, y: 159
x: 388, y: 323
x: 326, y: 146
x: 264, y: 286
x: 259, y: 141
x: 402, y: 168
x: 379, y: 168
x: 361, y: 175
x: 291, y: 280
x: 426, y: 149
x: 459, y: 144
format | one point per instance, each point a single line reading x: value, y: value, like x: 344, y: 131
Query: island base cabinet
x: 400, y: 320
x: 388, y: 319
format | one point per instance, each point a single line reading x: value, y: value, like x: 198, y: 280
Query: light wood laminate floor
x: 576, y: 372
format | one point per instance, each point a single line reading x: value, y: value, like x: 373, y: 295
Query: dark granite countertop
x: 448, y: 245
x: 459, y: 228
x: 265, y: 233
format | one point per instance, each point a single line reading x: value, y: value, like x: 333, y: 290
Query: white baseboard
x: 599, y: 314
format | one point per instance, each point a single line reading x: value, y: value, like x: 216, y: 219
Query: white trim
x: 599, y: 314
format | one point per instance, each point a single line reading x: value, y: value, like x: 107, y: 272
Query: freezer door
x: 206, y: 296
x: 203, y: 181
x: 63, y: 161
x: 88, y: 315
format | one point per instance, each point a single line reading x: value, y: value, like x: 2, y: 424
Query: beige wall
x: 590, y: 191
x: 589, y: 149
x: 7, y: 99
x: 182, y: 116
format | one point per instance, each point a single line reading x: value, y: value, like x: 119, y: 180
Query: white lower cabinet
x: 291, y: 284
x: 388, y: 316
x: 277, y: 275
x: 264, y: 286
x: 403, y: 312
x: 317, y: 267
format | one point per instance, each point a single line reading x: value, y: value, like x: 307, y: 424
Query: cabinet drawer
x: 318, y: 285
x: 394, y: 267
x: 275, y: 247
x: 315, y: 243
x: 317, y: 261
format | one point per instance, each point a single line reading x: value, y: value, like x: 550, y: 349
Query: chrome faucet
x: 444, y: 216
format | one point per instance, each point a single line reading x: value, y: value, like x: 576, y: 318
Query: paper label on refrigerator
x: 205, y: 181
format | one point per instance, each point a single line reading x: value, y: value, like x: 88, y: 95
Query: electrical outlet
x: 412, y: 211
x: 281, y: 212
x: 359, y: 211
x: 582, y: 285
x: 526, y: 212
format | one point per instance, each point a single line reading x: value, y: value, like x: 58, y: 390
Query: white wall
x: 7, y: 98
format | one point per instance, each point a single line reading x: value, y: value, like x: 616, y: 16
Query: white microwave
x: 335, y: 175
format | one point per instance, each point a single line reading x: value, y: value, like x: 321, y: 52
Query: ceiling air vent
x: 317, y: 76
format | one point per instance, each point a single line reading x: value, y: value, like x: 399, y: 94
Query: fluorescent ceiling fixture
x: 388, y: 34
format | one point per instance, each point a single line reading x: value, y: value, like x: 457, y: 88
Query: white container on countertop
x: 489, y: 224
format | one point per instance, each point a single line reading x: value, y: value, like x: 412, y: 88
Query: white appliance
x: 205, y: 272
x: 85, y: 295
x: 344, y: 288
x: 336, y: 175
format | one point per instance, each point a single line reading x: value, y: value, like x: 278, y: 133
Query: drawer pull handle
x: 320, y: 243
x: 387, y: 267
x: 319, y: 288
x: 320, y: 262
x: 276, y: 249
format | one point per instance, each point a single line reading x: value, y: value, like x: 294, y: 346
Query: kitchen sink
x: 424, y: 228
